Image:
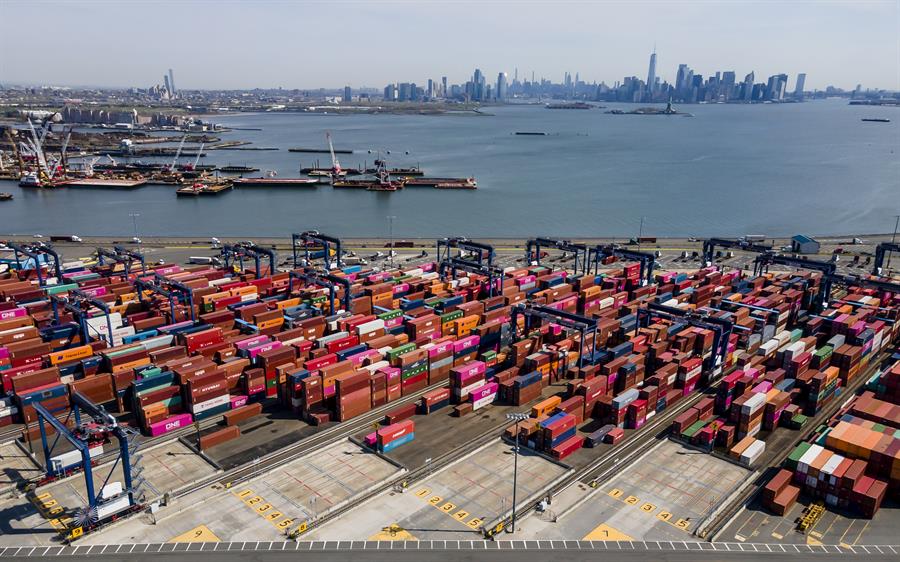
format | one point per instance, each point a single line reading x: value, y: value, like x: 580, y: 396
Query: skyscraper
x: 444, y: 86
x: 501, y: 87
x: 801, y: 82
x: 172, y: 83
x: 651, y: 75
x: 168, y: 86
x: 348, y: 95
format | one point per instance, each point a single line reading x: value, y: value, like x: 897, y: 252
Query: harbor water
x: 729, y: 170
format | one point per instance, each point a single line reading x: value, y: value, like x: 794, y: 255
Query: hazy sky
x: 309, y: 44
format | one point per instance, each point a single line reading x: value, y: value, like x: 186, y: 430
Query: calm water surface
x: 729, y: 170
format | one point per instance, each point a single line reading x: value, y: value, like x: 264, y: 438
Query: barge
x: 106, y: 183
x: 279, y: 182
x: 238, y: 169
x: 320, y: 150
x: 203, y: 189
x: 469, y: 183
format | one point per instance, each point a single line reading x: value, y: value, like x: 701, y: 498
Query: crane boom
x: 197, y: 159
x: 335, y: 165
x: 178, y: 152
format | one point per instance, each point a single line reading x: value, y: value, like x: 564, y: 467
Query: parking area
x: 835, y: 527
x: 260, y: 435
x: 662, y: 495
x: 16, y: 466
x: 266, y: 507
x: 452, y: 503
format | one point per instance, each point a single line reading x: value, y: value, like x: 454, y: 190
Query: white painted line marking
x: 879, y: 549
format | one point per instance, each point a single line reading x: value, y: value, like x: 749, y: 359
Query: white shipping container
x: 808, y: 457
x: 367, y: 327
x: 112, y: 507
x: 484, y: 401
x: 752, y: 453
x: 111, y: 490
x: 209, y: 404
x: 8, y: 411
x: 325, y: 339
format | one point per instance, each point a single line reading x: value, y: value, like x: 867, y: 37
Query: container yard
x: 389, y: 381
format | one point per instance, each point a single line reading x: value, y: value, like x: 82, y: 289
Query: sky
x: 234, y: 44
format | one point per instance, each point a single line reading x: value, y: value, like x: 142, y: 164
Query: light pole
x: 134, y: 218
x: 640, y: 233
x: 893, y: 240
x: 517, y: 417
x: 391, y: 230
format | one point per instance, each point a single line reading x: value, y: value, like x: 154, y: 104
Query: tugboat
x: 30, y: 179
x: 6, y: 196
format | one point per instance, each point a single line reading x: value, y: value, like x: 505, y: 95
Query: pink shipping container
x: 482, y: 391
x: 238, y: 401
x: 170, y: 424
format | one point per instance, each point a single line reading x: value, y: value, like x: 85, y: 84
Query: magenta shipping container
x: 170, y: 424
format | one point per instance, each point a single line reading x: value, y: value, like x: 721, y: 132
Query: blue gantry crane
x: 586, y: 327
x: 304, y: 241
x: 827, y: 269
x: 647, y: 260
x: 881, y: 251
x: 234, y: 254
x: 80, y: 304
x: 721, y: 329
x: 331, y: 282
x: 38, y: 253
x: 95, y: 428
x: 122, y: 255
x: 175, y: 291
x: 578, y: 249
x: 468, y: 251
x: 710, y: 245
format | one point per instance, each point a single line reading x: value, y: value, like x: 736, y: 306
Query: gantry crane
x: 315, y: 237
x: 646, y: 259
x: 578, y: 249
x: 234, y: 254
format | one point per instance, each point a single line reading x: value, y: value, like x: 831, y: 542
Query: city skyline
x: 851, y: 42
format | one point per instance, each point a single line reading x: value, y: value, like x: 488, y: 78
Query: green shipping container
x: 397, y: 351
x: 693, y: 429
x: 796, y: 454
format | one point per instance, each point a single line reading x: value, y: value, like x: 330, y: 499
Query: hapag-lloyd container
x: 170, y: 424
x: 387, y: 448
x: 395, y: 431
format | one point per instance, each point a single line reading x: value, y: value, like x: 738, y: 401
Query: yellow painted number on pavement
x: 253, y: 500
x: 682, y: 524
x: 474, y: 523
x: 435, y: 500
x: 615, y: 493
x: 273, y: 516
x: 664, y: 516
x: 631, y: 500
x: 461, y: 515
x: 245, y: 493
x: 263, y: 508
x: 648, y: 508
x: 447, y: 507
x: 422, y: 493
x: 284, y: 523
